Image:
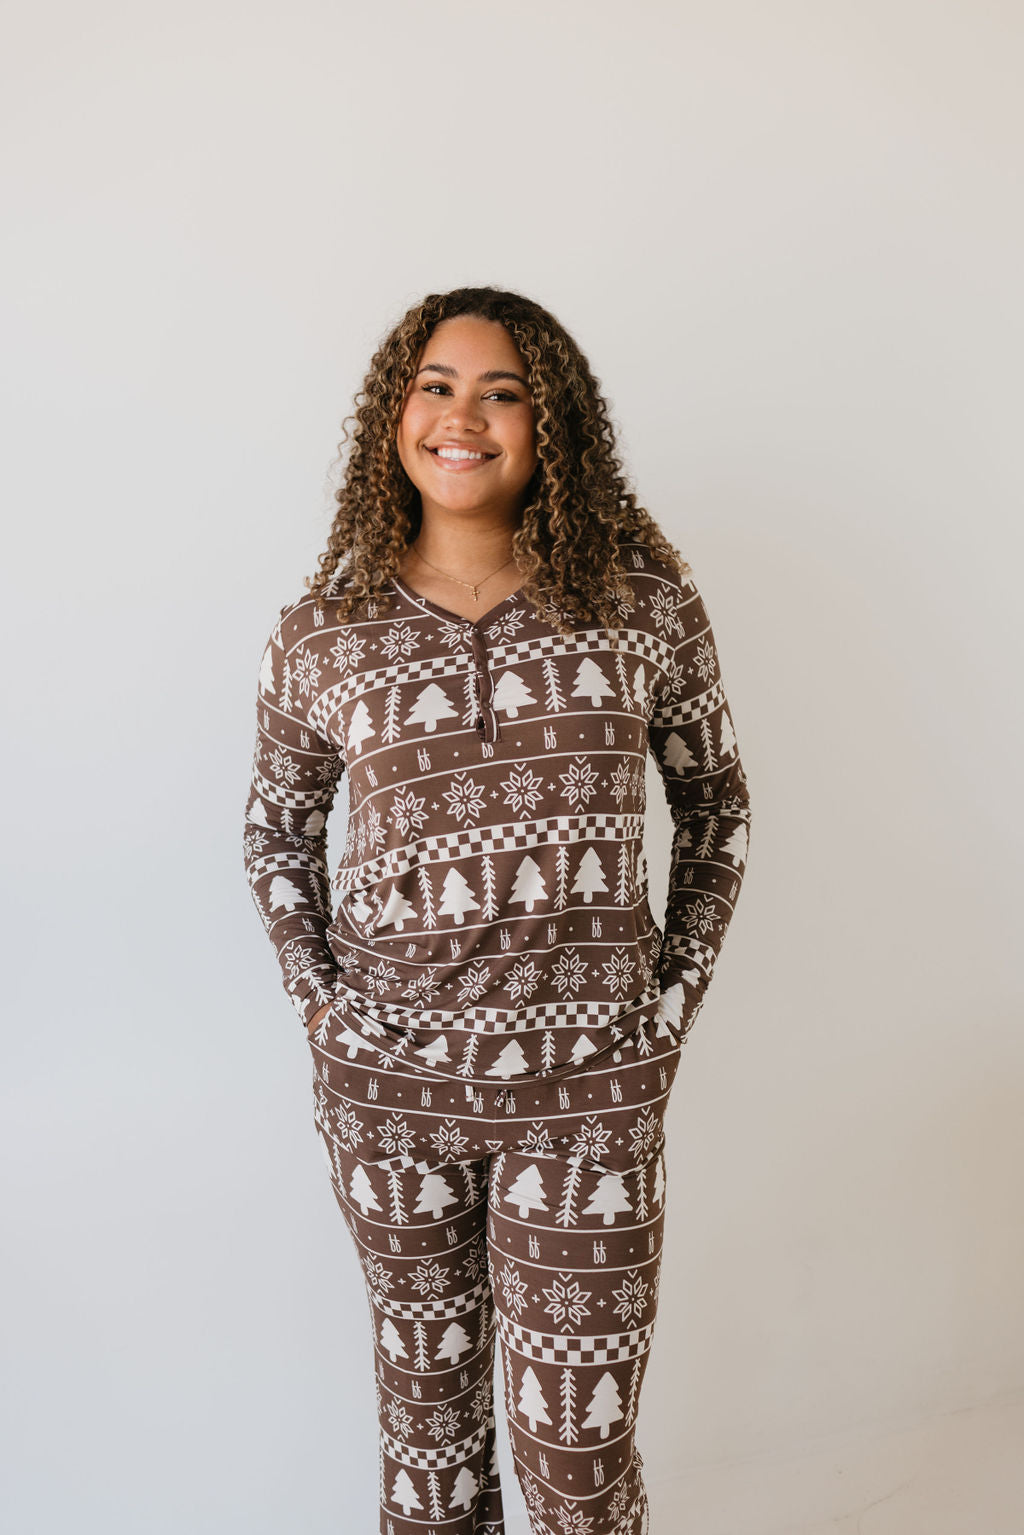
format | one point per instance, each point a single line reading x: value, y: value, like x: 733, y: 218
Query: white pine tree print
x: 592, y: 683
x: 391, y: 1341
x: 266, y: 682
x: 283, y: 894
x: 532, y: 1405
x: 527, y: 1191
x: 528, y: 887
x: 436, y: 1050
x: 361, y: 1190
x: 553, y: 688
x: 605, y: 1406
x: 435, y: 1196
x: 455, y: 1342
x: 457, y: 897
x: 465, y: 1489
x: 397, y: 911
x: 360, y: 728
x: 510, y: 1063
x: 609, y: 1198
x: 403, y: 1494
x: 677, y: 755
x: 567, y: 1431
x: 511, y: 694
x: 391, y: 731
x: 432, y: 704
x: 590, y: 876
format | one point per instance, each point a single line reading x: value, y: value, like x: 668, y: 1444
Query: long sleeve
x: 691, y: 737
x: 294, y: 779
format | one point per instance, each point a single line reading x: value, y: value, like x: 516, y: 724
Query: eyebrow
x: 491, y: 377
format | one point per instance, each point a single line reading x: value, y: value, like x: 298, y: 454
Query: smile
x: 460, y: 459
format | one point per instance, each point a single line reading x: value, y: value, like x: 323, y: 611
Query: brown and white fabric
x: 505, y: 1016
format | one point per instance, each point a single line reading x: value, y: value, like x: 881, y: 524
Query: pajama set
x: 504, y: 1016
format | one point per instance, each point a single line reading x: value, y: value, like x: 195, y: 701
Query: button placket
x: 485, y: 722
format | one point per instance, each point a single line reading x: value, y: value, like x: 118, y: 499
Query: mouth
x: 460, y: 460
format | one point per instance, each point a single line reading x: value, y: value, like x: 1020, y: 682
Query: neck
x: 465, y: 547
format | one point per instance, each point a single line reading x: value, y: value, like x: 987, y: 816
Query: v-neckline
x: 441, y: 612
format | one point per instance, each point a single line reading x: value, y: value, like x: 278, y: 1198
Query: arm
x: 691, y: 736
x: 294, y: 778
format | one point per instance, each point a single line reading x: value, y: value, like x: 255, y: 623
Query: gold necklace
x: 468, y: 584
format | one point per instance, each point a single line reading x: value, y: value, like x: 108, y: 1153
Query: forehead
x: 470, y: 342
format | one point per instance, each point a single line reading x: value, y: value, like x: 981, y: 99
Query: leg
x: 575, y: 1231
x: 421, y: 1242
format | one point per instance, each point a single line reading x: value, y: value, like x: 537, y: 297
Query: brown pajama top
x: 491, y: 920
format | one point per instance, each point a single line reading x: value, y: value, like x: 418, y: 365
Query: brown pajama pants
x: 533, y: 1208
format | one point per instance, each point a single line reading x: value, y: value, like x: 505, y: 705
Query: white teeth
x: 457, y: 453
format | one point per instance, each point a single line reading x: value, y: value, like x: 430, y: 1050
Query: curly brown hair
x: 577, y: 502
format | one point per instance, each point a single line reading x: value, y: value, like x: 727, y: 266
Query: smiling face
x: 466, y: 437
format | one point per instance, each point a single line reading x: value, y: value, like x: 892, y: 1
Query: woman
x: 495, y: 638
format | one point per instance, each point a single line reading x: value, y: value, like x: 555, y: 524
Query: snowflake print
x: 572, y: 1521
x: 329, y: 771
x: 401, y: 1420
x: 255, y: 842
x: 380, y: 1279
x: 307, y: 672
x: 533, y: 1497
x: 700, y: 916
x: 407, y: 812
x: 591, y: 1140
x: 347, y: 651
x: 523, y: 789
x: 299, y: 962
x: 465, y: 800
x: 618, y: 973
x: 395, y: 1137
x: 399, y: 642
x: 567, y: 1303
x: 522, y: 980
x: 284, y: 767
x: 580, y: 783
x: 705, y: 660
x: 422, y: 989
x: 643, y: 1135
x: 374, y: 830
x: 666, y: 608
x: 349, y: 1128
x: 623, y: 782
x: 618, y: 1502
x: 482, y: 1401
x: 381, y: 977
x: 453, y: 635
x: 569, y: 973
x: 429, y: 1279
x: 443, y: 1424
x: 514, y: 1286
x: 632, y: 1299
x: 623, y: 604
x: 474, y: 1264
x: 537, y: 1141
x: 506, y: 628
x: 474, y: 982
x: 448, y: 1141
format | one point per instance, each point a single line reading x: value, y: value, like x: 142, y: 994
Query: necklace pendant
x: 476, y: 594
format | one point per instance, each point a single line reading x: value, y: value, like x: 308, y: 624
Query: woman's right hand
x: 317, y: 1018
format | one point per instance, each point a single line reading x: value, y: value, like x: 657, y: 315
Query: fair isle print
x: 491, y: 907
x: 542, y: 1227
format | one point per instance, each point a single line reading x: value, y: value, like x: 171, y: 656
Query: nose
x: 464, y: 414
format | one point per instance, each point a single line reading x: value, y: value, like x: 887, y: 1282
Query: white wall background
x: 789, y: 237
